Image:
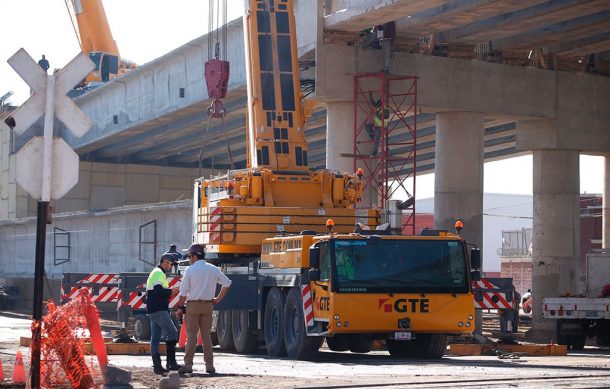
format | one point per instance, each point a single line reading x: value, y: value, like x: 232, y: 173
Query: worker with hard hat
x: 198, y: 289
x: 158, y: 295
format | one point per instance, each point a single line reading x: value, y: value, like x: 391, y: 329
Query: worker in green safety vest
x: 374, y: 128
x: 158, y: 295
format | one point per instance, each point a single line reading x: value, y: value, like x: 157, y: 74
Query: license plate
x: 592, y: 314
x: 402, y: 335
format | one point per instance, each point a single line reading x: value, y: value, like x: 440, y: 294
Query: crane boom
x: 97, y: 42
x: 275, y: 110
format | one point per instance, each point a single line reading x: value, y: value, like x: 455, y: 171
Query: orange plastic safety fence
x: 63, y: 363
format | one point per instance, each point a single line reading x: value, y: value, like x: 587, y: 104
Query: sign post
x: 47, y: 168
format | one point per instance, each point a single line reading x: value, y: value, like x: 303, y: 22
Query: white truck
x: 587, y: 312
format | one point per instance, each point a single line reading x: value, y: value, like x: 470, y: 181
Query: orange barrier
x: 182, y: 337
x: 19, y: 371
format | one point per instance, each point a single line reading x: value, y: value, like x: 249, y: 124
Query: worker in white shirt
x: 198, y: 289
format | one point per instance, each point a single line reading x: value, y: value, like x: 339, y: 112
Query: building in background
x: 516, y: 252
x: 516, y: 258
x: 501, y: 212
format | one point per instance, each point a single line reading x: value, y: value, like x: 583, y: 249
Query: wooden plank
x: 139, y: 348
x: 539, y: 350
x: 25, y: 341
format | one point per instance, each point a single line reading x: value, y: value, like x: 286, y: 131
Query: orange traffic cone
x: 1, y: 372
x: 182, y: 335
x: 18, y: 371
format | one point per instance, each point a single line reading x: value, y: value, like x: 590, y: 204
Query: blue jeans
x: 161, y: 321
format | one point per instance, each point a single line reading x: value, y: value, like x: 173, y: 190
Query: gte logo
x: 405, y: 305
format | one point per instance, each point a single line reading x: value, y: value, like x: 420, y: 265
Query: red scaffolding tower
x: 385, y: 135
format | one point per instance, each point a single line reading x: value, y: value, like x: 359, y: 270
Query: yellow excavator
x: 307, y: 265
x: 95, y: 39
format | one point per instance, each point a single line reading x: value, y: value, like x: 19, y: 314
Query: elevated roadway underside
x: 567, y: 35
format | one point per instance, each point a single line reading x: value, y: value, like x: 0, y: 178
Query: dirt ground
x: 590, y: 368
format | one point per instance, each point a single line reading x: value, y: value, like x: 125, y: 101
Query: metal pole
x: 41, y: 228
x: 41, y: 231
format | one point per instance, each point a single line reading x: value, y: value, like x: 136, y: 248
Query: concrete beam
x: 357, y: 15
x: 574, y: 46
x: 578, y: 103
x: 513, y: 23
x: 558, y: 33
x: 456, y: 14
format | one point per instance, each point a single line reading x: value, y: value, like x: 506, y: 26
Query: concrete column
x: 340, y: 135
x: 606, y: 205
x: 458, y: 182
x: 556, y: 228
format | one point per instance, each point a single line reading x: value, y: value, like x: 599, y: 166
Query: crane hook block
x: 217, y: 78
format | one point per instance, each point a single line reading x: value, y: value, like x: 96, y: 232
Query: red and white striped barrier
x: 107, y: 287
x: 492, y: 299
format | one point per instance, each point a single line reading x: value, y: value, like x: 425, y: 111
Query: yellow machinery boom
x: 96, y: 40
x: 295, y: 284
x: 277, y: 192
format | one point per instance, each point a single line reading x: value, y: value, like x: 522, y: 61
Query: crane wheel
x: 360, y: 344
x: 224, y: 332
x: 337, y: 343
x: 274, y: 323
x: 244, y: 337
x: 141, y: 327
x: 298, y: 344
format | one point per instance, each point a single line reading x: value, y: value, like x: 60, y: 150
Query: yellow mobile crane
x: 296, y: 284
x: 95, y: 39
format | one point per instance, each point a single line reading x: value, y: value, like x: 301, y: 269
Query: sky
x: 147, y: 29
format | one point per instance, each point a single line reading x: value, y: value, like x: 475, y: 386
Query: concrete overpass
x: 496, y: 78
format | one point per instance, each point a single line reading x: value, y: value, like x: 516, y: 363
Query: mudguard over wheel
x: 141, y: 327
x: 424, y: 346
x: 274, y: 323
x: 298, y: 344
x: 224, y: 332
x: 244, y: 337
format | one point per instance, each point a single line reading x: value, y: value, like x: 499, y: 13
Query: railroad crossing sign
x: 47, y: 168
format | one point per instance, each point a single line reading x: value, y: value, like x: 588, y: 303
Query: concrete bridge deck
x: 156, y: 114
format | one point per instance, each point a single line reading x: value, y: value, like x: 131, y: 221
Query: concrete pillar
x: 556, y: 228
x: 606, y: 205
x: 458, y: 178
x: 458, y: 182
x: 340, y: 135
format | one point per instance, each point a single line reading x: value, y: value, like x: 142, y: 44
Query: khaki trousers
x: 198, y: 319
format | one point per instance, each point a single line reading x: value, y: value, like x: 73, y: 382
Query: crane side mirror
x: 314, y: 257
x: 475, y: 275
x: 475, y: 258
x: 313, y: 275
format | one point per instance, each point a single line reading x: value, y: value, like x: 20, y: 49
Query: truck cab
x: 409, y: 291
